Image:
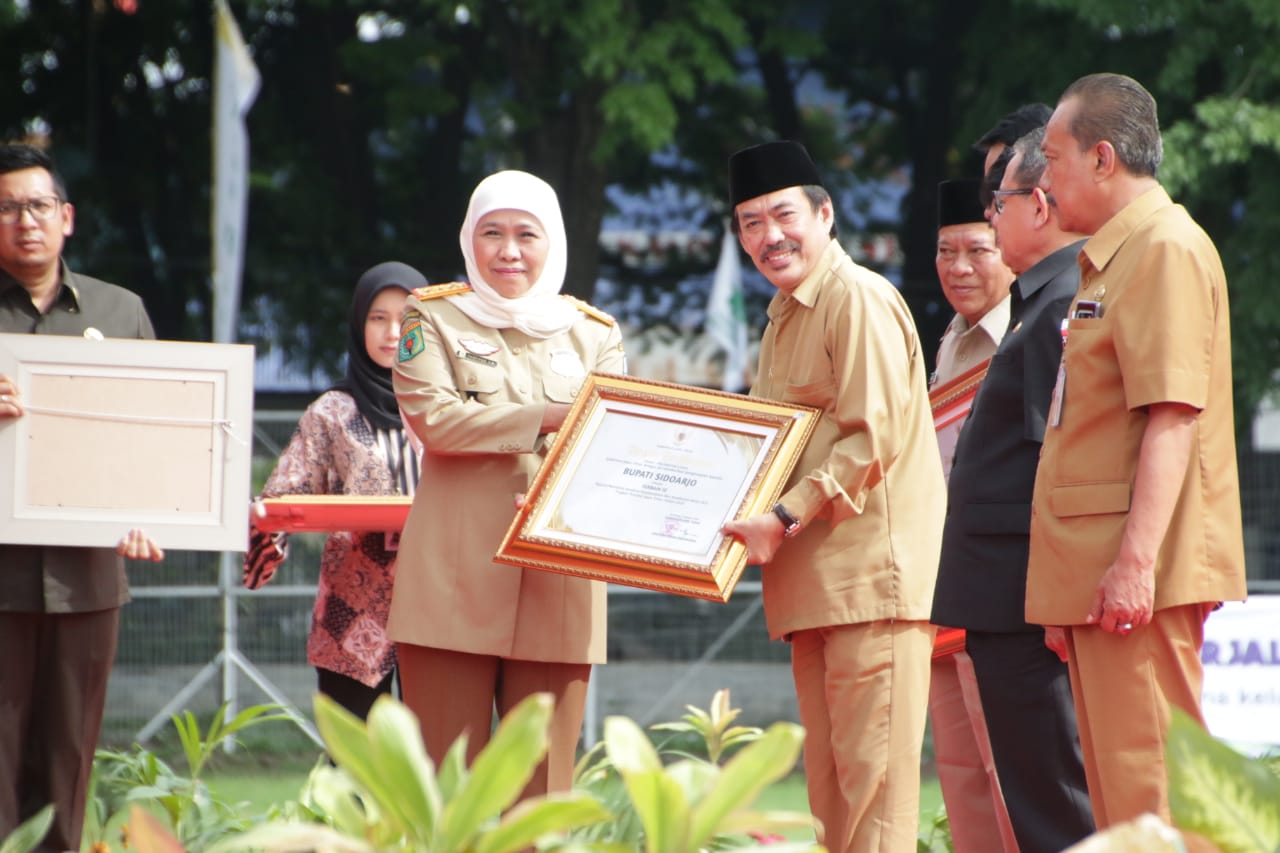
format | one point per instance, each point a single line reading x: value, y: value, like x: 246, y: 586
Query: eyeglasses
x: 42, y: 209
x: 997, y: 200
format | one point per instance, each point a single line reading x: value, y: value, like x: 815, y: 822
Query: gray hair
x: 1117, y: 109
x: 1031, y: 166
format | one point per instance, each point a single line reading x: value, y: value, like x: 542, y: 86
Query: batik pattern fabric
x: 335, y: 451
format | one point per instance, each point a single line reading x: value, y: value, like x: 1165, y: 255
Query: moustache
x: 780, y: 246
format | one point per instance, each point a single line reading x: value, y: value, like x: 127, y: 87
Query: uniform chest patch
x: 565, y: 362
x: 410, y: 336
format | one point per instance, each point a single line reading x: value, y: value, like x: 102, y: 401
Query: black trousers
x: 1026, y: 696
x: 356, y: 696
x: 53, y: 687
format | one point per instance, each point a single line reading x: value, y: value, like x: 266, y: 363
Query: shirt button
x: 962, y: 357
x: 471, y: 380
x: 515, y: 350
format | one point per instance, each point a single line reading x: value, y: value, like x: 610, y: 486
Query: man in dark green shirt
x: 59, y: 606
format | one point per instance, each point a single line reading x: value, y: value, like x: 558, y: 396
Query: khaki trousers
x: 455, y: 693
x: 976, y: 811
x: 1124, y: 688
x: 862, y: 692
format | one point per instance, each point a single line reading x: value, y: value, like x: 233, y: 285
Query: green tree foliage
x: 1213, y: 70
x: 376, y: 117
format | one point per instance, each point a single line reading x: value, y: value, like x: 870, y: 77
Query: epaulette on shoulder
x: 591, y: 311
x: 435, y: 291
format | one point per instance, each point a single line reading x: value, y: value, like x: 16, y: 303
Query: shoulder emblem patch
x: 410, y: 336
x: 435, y: 291
x: 590, y: 310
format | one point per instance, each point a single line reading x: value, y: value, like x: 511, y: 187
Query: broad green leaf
x: 660, y: 803
x: 333, y: 794
x: 346, y: 739
x: 189, y: 736
x: 695, y: 776
x: 1231, y: 799
x: 753, y: 769
x: 628, y: 747
x: 453, y: 772
x: 532, y: 819
x: 30, y: 833
x: 395, y: 740
x: 500, y: 771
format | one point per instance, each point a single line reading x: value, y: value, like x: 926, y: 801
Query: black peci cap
x: 766, y: 168
x: 958, y: 202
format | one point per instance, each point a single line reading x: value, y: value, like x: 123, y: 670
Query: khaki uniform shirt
x: 1163, y: 336
x: 964, y: 347
x: 40, y: 579
x: 868, y: 486
x: 476, y: 397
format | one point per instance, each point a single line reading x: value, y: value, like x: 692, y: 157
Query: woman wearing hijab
x: 486, y: 373
x: 350, y: 441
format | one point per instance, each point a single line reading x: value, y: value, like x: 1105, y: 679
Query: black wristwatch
x: 790, y: 524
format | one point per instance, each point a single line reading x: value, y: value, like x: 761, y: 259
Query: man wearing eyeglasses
x: 1025, y: 688
x: 59, y: 607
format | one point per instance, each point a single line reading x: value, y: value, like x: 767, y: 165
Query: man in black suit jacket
x: 1025, y: 688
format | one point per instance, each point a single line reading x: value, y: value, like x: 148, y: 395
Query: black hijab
x: 368, y: 383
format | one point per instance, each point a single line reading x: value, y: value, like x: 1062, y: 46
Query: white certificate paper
x: 659, y: 487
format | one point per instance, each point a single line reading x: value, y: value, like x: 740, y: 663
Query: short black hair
x: 15, y: 158
x: 1014, y: 126
x: 992, y: 179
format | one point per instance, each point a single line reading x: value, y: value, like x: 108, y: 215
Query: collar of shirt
x: 66, y: 292
x: 1102, y: 246
x: 806, y: 292
x: 1045, y: 270
x: 993, y: 323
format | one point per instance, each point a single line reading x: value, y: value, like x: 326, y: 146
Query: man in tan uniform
x: 850, y: 551
x: 1135, y: 528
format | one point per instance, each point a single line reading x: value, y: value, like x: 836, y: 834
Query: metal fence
x: 193, y: 638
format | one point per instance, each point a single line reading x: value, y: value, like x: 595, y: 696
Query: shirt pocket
x: 1077, y: 499
x: 562, y: 389
x: 479, y: 381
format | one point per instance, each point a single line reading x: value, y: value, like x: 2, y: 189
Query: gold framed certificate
x: 641, y: 477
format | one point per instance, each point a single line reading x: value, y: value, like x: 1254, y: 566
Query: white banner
x: 1241, y: 658
x: 235, y: 85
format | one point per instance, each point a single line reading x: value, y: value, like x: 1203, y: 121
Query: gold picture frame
x: 642, y: 475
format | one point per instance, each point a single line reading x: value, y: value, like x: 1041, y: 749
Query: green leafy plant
x: 385, y: 794
x: 935, y: 835
x: 690, y: 803
x: 29, y: 833
x: 714, y: 726
x: 1231, y: 799
x: 139, y: 777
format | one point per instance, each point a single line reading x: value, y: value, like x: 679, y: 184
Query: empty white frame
x: 126, y: 433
